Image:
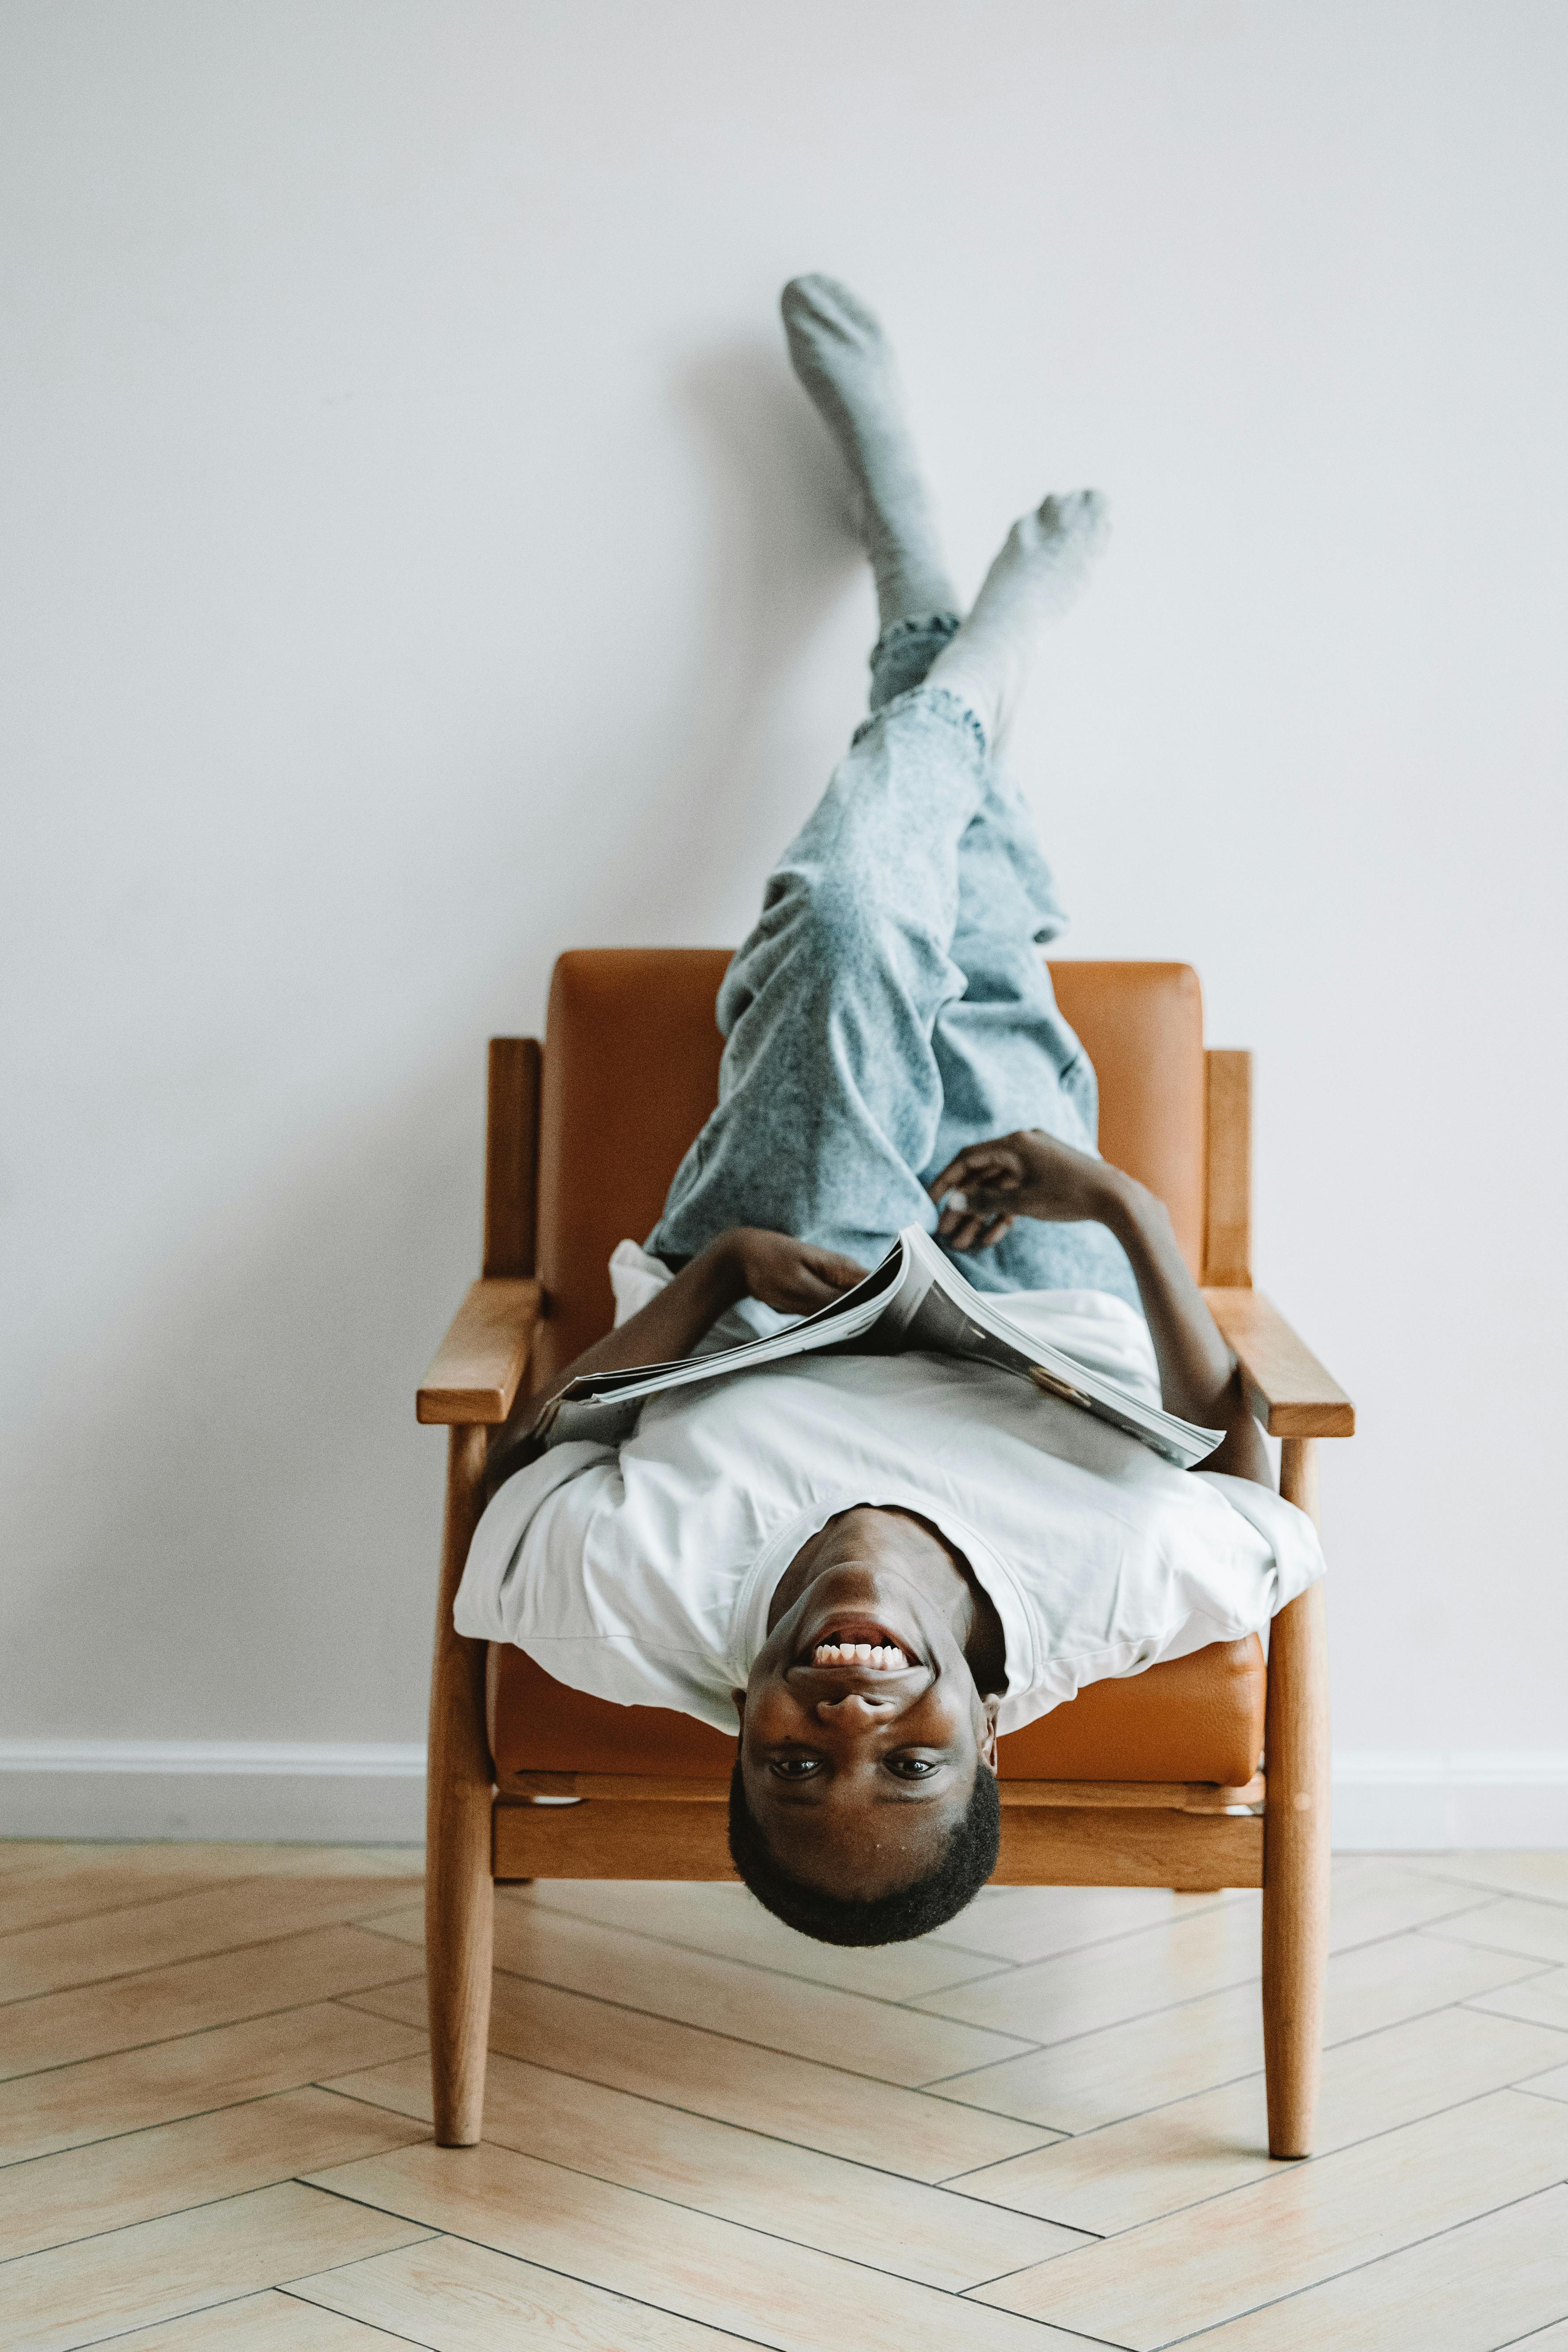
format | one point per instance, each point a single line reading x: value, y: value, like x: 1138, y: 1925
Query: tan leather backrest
x: 631, y: 1071
x: 1142, y: 1026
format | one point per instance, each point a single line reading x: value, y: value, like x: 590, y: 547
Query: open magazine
x: 915, y: 1300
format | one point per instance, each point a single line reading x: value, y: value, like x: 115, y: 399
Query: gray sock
x: 1044, y: 562
x: 846, y: 364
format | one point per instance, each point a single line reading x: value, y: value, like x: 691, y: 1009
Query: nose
x: 854, y: 1709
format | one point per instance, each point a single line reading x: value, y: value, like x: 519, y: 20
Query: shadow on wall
x: 235, y: 1534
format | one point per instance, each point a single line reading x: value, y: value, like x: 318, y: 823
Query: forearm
x: 669, y: 1326
x: 1198, y: 1375
x: 793, y: 1278
x: 667, y: 1329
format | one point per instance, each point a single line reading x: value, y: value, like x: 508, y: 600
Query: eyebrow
x: 796, y: 1793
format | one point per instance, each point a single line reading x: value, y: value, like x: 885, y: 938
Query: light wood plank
x: 1371, y: 1897
x: 1041, y: 1844
x: 730, y: 1924
x: 1287, y: 1387
x: 1045, y: 1847
x: 143, y: 2175
x: 104, y: 2286
x: 28, y: 1854
x: 180, y: 1927
x: 457, y: 2297
x: 36, y: 1898
x: 866, y: 2215
x: 1374, y: 1897
x: 1538, y: 1931
x: 60, y: 2028
x: 207, y: 1859
x: 1031, y: 1923
x: 64, y: 2106
x: 1228, y: 1203
x: 1071, y: 1796
x: 1541, y: 1995
x: 61, y: 1854
x: 399, y: 1863
x: 778, y: 2012
x: 1554, y: 2084
x: 1079, y: 2084
x: 1542, y: 1876
x: 475, y: 1372
x: 1073, y: 1992
x: 271, y: 2322
x: 812, y: 2104
x: 1305, y: 2223
x: 714, y: 2271
x: 1472, y: 2290
x: 1156, y: 2163
x: 458, y: 1909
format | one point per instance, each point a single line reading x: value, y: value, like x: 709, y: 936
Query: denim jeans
x: 892, y: 1006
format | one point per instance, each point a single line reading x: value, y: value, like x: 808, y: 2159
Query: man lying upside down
x: 877, y: 1563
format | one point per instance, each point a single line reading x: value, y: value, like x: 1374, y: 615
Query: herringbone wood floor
x: 1042, y: 2128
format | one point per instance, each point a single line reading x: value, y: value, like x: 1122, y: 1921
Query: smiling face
x: 862, y: 1726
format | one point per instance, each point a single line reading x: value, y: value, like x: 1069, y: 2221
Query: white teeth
x: 887, y: 1655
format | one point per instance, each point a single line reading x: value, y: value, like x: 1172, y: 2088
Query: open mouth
x: 860, y: 1644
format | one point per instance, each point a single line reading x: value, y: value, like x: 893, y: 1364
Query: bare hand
x: 794, y: 1276
x: 1029, y: 1174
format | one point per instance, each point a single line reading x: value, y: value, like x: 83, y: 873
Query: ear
x: 986, y: 1738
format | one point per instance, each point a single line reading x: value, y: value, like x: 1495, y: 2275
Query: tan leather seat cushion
x: 1198, y: 1718
x: 631, y: 1071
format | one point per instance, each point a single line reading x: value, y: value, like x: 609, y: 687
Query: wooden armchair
x: 1150, y: 1781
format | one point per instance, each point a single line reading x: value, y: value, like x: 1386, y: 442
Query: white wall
x: 419, y: 561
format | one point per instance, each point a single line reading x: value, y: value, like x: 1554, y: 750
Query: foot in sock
x: 847, y: 365
x: 1043, y: 565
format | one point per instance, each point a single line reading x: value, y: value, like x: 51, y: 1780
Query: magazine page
x: 603, y: 1406
x: 964, y: 1322
x: 915, y: 1300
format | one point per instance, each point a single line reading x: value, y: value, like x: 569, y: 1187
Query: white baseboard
x: 333, y: 1791
x: 1412, y: 1800
x: 1385, y: 1800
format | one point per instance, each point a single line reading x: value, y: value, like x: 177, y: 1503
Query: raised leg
x: 460, y: 1895
x: 1296, y: 1842
x: 846, y: 366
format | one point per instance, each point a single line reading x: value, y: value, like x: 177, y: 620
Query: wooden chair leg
x: 460, y: 1895
x: 1296, y: 1843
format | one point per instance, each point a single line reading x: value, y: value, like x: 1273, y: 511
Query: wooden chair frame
x: 1273, y: 1834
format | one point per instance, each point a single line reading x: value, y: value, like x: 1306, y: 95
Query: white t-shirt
x: 643, y: 1574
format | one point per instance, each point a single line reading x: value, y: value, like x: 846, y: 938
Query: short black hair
x: 967, y: 1860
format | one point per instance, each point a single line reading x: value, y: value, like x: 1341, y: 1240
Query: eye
x: 794, y: 1768
x: 912, y: 1767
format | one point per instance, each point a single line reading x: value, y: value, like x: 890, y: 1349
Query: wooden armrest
x: 1286, y: 1387
x: 477, y: 1369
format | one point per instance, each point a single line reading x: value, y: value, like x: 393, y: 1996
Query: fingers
x: 842, y: 1272
x: 807, y: 1278
x: 976, y: 1229
x: 982, y: 1202
x: 992, y: 1166
x: 974, y: 1165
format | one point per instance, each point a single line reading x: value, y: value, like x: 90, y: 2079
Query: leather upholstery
x: 1198, y: 1718
x: 631, y: 1071
x: 1142, y: 1024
